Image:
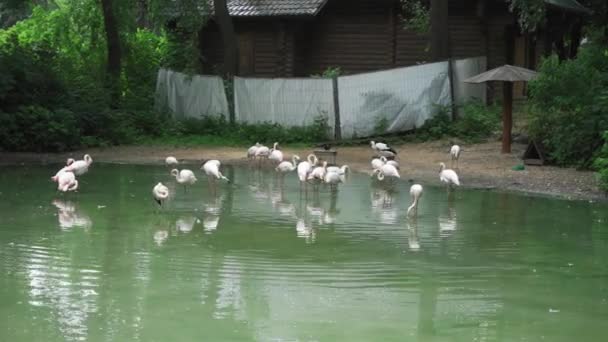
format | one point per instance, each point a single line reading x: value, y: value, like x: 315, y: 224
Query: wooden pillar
x: 440, y: 48
x: 507, y: 116
x: 337, y: 122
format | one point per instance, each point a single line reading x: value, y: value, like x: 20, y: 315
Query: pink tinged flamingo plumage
x: 286, y: 166
x: 66, y: 181
x: 387, y: 170
x: 251, y: 152
x: 415, y: 193
x: 275, y: 154
x: 318, y: 172
x: 212, y: 170
x: 305, y: 167
x: 80, y: 167
x: 69, y: 162
x: 171, y: 161
x: 455, y: 154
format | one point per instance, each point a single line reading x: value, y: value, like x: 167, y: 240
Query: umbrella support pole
x: 507, y: 116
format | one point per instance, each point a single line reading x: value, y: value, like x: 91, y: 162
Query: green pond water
x: 257, y: 263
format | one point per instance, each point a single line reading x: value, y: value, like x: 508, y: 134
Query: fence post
x: 453, y: 100
x: 229, y: 90
x: 337, y: 127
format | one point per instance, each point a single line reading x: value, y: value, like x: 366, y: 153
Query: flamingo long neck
x: 380, y: 175
x: 383, y: 159
x: 414, y: 204
x: 294, y: 161
x: 274, y: 147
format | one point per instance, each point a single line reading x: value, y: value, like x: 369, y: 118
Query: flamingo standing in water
x: 415, y: 193
x: 455, y: 154
x: 305, y: 167
x: 390, y: 162
x: 387, y: 170
x: 262, y: 153
x: 335, y: 175
x: 80, y: 167
x: 252, y: 150
x: 448, y: 176
x: 275, y: 154
x: 66, y: 181
x: 185, y: 177
x: 160, y: 193
x: 212, y: 170
x: 285, y: 167
x: 171, y: 161
x: 318, y: 173
x: 377, y: 163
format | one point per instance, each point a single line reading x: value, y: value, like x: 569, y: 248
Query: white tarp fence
x: 392, y: 100
x: 286, y: 101
x: 190, y: 96
x: 463, y: 69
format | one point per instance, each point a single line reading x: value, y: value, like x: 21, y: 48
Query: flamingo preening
x: 391, y: 162
x: 80, y: 167
x: 387, y: 170
x: 448, y: 176
x: 160, y: 193
x: 335, y: 176
x: 185, y: 177
x: 171, y: 161
x: 66, y: 181
x: 318, y: 173
x: 275, y: 154
x: 261, y: 153
x: 455, y: 154
x: 212, y: 170
x: 377, y: 163
x: 415, y: 193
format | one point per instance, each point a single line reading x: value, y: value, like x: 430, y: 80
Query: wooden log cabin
x: 298, y: 38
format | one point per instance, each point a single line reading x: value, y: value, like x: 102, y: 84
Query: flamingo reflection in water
x: 212, y: 211
x: 70, y: 216
x: 185, y: 224
x: 412, y: 238
x: 448, y: 223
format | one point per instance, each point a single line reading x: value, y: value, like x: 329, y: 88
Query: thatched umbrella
x: 507, y: 74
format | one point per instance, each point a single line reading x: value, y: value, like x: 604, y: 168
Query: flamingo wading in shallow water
x: 275, y: 154
x: 448, y: 176
x: 66, y: 181
x: 69, y: 162
x: 80, y: 167
x: 252, y: 150
x: 286, y: 166
x: 212, y: 170
x: 415, y: 193
x: 160, y: 193
x: 185, y: 177
x: 305, y: 167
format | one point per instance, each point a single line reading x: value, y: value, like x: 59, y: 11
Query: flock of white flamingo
x: 310, y: 171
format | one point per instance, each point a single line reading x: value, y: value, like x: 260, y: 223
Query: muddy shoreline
x: 481, y: 165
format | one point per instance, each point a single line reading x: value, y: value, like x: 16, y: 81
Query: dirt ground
x: 481, y: 165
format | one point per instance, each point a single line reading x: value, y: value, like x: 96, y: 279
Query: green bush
x: 34, y: 128
x: 477, y: 122
x: 570, y: 105
x: 601, y: 164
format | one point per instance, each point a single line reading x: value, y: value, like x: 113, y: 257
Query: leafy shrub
x: 477, y: 121
x: 601, y: 164
x: 570, y: 106
x: 35, y: 128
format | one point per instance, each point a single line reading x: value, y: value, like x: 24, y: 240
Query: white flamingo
x: 275, y: 154
x: 80, y: 167
x: 342, y: 170
x: 333, y: 178
x: 286, y: 166
x: 318, y: 173
x: 160, y: 193
x: 448, y: 176
x: 383, y: 149
x: 69, y: 162
x: 171, y: 161
x: 262, y: 153
x: 252, y: 150
x: 391, y: 162
x: 66, y: 181
x: 377, y: 163
x: 387, y: 170
x: 455, y: 154
x: 185, y: 177
x: 212, y: 170
x: 415, y: 193
x: 305, y: 167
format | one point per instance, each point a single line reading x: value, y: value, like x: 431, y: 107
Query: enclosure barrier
x: 370, y: 103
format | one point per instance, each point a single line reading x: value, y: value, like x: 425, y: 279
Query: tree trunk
x: 228, y: 37
x: 439, y: 30
x: 114, y: 52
